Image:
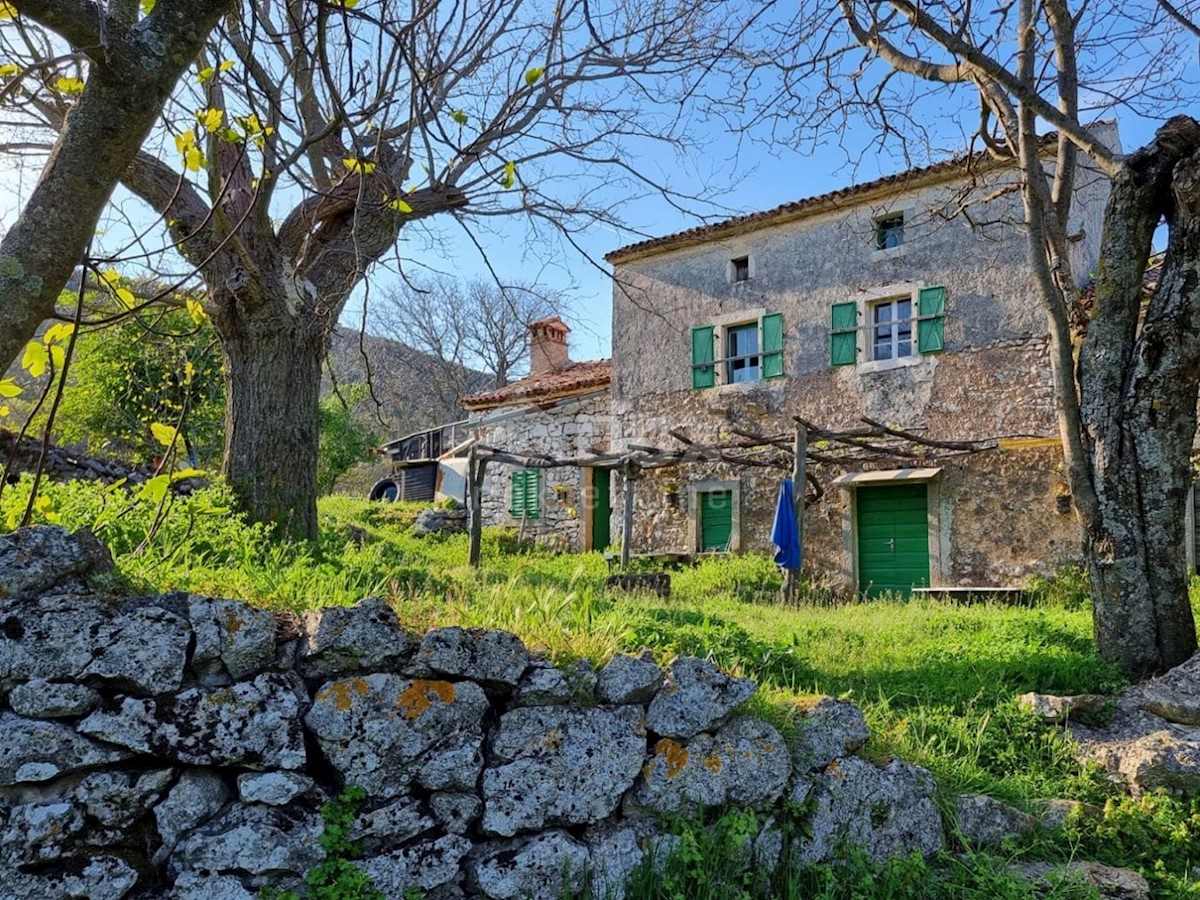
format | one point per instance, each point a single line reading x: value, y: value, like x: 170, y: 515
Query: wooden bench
x: 1008, y: 596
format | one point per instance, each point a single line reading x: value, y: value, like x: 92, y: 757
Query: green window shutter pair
x: 931, y: 313
x: 704, y: 370
x: 525, y: 501
x: 843, y: 338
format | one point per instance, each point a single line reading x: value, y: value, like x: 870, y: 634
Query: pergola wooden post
x: 476, y: 468
x: 630, y: 470
x: 791, y: 580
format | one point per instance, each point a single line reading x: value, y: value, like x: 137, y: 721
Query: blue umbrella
x: 788, y: 553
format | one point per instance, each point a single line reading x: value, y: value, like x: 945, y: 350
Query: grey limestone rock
x: 41, y: 699
x: 391, y: 824
x: 196, y: 797
x: 198, y: 886
x: 629, y: 679
x: 273, y: 788
x: 545, y: 685
x: 615, y: 851
x: 32, y: 750
x: 349, y: 640
x: 35, y: 559
x: 1176, y: 695
x: 98, y: 877
x: 986, y: 822
x: 1054, y: 710
x: 383, y: 732
x: 269, y: 845
x: 887, y: 812
x: 696, y: 696
x: 255, y: 724
x: 1164, y: 758
x: 455, y: 812
x: 542, y: 867
x: 746, y: 763
x: 560, y: 766
x: 50, y: 638
x: 425, y: 866
x: 231, y: 638
x: 493, y: 658
x: 143, y: 652
x: 1056, y: 813
x: 1110, y: 882
x: 827, y: 730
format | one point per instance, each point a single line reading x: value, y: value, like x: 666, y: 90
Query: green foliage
x: 143, y: 371
x: 336, y: 877
x: 345, y: 440
x: 1068, y: 588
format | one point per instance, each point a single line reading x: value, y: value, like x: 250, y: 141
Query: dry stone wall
x: 182, y: 747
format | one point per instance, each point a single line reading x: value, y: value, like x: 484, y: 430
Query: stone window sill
x: 886, y: 365
x: 889, y: 253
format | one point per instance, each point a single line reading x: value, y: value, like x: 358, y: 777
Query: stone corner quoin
x: 182, y: 746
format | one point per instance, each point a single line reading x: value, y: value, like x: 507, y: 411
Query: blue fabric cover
x: 788, y: 553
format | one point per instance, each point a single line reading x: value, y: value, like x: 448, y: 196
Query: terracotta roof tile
x: 574, y: 378
x: 962, y: 164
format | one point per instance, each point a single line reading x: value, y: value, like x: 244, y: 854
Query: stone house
x: 907, y: 299
x: 562, y: 409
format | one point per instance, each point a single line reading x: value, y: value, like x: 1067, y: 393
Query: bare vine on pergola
x: 870, y: 444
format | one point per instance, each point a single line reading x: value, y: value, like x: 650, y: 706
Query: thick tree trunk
x: 1139, y: 378
x: 272, y: 418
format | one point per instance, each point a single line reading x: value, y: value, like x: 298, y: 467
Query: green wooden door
x: 893, y: 538
x: 601, y: 509
x: 716, y: 520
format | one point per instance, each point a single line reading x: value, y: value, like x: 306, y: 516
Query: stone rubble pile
x: 62, y: 464
x: 178, y: 747
x: 440, y: 520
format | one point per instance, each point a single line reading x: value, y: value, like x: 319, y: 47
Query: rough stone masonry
x: 181, y: 747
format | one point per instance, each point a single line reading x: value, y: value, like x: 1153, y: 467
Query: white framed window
x: 742, y: 359
x: 891, y: 334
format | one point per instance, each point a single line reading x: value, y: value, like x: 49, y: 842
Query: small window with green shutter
x: 525, y: 501
x: 931, y: 313
x: 704, y: 370
x: 843, y: 335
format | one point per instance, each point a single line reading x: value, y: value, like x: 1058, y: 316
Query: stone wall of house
x: 999, y: 518
x: 999, y: 515
x: 178, y: 747
x: 569, y: 427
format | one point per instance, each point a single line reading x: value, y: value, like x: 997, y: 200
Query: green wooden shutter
x: 931, y: 312
x: 526, y: 494
x: 772, y: 345
x: 843, y: 338
x: 704, y: 373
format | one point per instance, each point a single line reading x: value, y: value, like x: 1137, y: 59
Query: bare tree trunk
x: 272, y: 418
x: 1139, y: 379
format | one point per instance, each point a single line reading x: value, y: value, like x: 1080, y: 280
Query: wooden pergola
x: 870, y: 444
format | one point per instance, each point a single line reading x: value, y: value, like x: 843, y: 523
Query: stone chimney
x: 548, y: 345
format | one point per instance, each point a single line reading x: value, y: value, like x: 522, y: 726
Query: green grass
x: 936, y: 682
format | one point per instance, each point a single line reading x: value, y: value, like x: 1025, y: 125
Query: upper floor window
x: 891, y: 329
x: 739, y: 269
x: 741, y: 353
x: 889, y: 232
x: 738, y: 352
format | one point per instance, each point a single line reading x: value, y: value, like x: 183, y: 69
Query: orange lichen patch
x: 674, y: 756
x: 804, y: 704
x: 712, y: 762
x: 233, y: 623
x: 834, y: 769
x: 553, y: 739
x: 342, y: 693
x: 419, y: 697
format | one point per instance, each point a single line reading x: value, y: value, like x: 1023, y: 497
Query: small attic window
x: 889, y: 232
x: 739, y: 269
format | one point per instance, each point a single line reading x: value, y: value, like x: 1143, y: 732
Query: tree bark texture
x: 1139, y: 379
x: 128, y: 83
x: 272, y: 417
